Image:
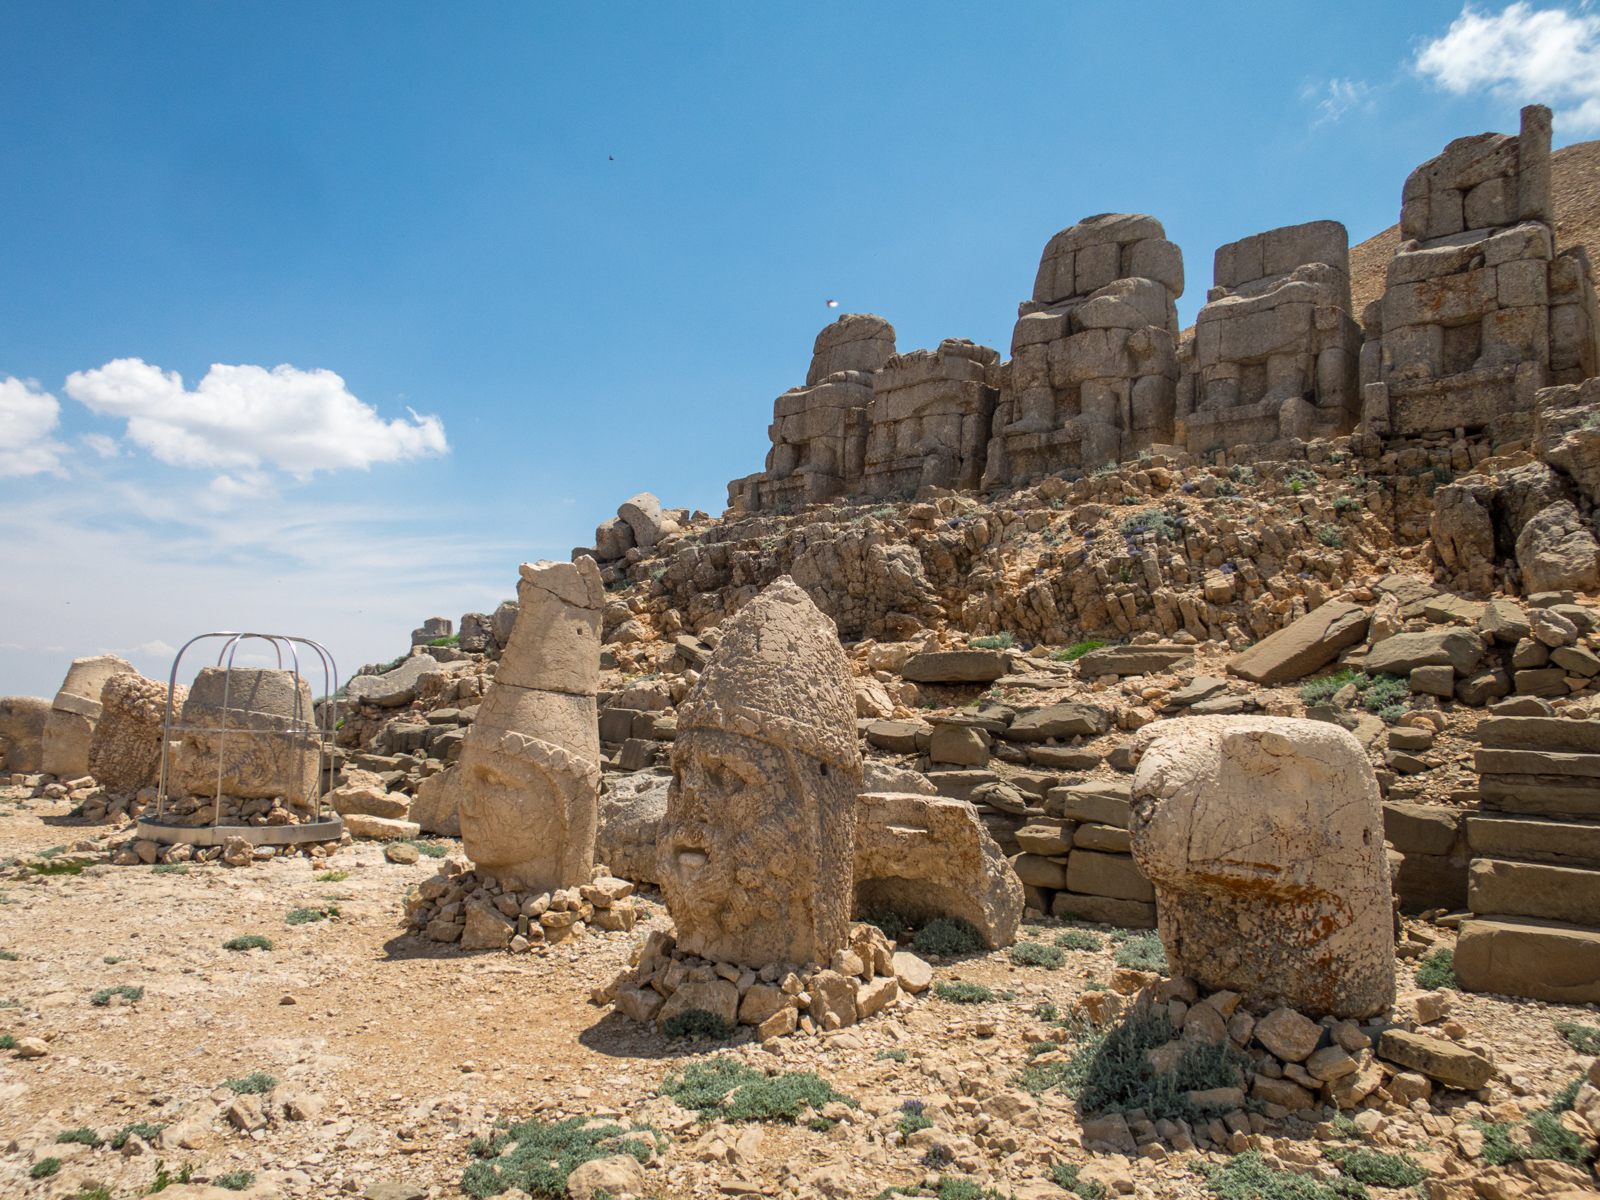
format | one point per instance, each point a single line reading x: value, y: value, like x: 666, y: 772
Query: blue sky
x: 560, y: 254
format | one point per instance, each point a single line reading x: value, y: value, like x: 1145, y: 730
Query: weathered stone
x: 1556, y: 893
x: 1284, y: 1092
x: 643, y: 516
x: 22, y: 721
x: 1540, y: 733
x: 1126, y: 914
x: 1046, y: 838
x: 630, y: 816
x: 1433, y: 681
x: 1504, y: 621
x: 718, y: 997
x: 1093, y: 803
x: 1523, y: 956
x: 1302, y: 646
x: 1557, y: 551
x: 1114, y: 875
x: 1272, y: 826
x: 1103, y: 837
x: 898, y: 737
x: 615, y: 1175
x: 911, y: 972
x: 1534, y: 839
x: 125, y: 749
x: 486, y: 929
x: 1134, y: 660
x: 1484, y: 687
x: 961, y: 745
x: 1444, y: 1061
x: 761, y: 1002
x: 757, y: 847
x: 69, y: 727
x: 364, y: 792
x: 529, y: 771
x: 1288, y: 1034
x: 1059, y: 721
x: 928, y: 857
x: 393, y: 688
x: 1404, y: 652
x: 435, y: 807
x: 264, y: 737
x: 1421, y: 828
x: 380, y: 828
x: 955, y: 666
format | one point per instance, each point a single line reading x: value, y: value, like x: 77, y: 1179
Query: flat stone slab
x: 1104, y: 910
x: 1440, y: 1060
x: 1096, y: 804
x: 1534, y: 839
x: 1522, y: 956
x: 897, y: 736
x: 1134, y: 660
x: 1520, y: 889
x: 1420, y: 828
x: 955, y: 666
x: 1115, y: 875
x: 1540, y: 733
x: 1536, y: 762
x: 1060, y: 721
x: 392, y: 688
x: 1404, y: 652
x: 1201, y: 687
x: 1540, y: 795
x: 1302, y: 646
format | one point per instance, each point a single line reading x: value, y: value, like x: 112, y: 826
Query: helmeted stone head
x: 756, y: 852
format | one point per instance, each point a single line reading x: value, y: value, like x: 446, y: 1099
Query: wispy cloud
x: 102, y: 444
x: 28, y: 416
x: 1333, y: 98
x: 1525, y: 54
x: 244, y: 418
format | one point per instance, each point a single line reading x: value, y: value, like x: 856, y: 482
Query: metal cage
x: 302, y: 728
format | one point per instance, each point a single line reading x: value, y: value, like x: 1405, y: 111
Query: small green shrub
x: 257, y: 1083
x: 9, y: 956
x: 1152, y: 520
x: 1065, y: 1176
x: 898, y: 1056
x: 729, y: 1090
x: 1075, y: 651
x: 889, y: 922
x: 453, y: 640
x: 1032, y: 954
x: 999, y: 641
x: 962, y: 992
x: 1386, y: 691
x: 1330, y: 536
x: 1345, y: 504
x: 1078, y: 939
x: 333, y: 877
x: 1143, y: 953
x: 112, y: 960
x: 1247, y: 1177
x: 1320, y: 691
x: 428, y: 849
x: 83, y: 1135
x: 1548, y: 1139
x: 8, y: 1042
x: 538, y: 1158
x: 696, y: 1022
x: 1092, y: 984
x: 61, y: 866
x: 305, y: 916
x: 1103, y: 470
x: 237, y: 1181
x: 948, y: 937
x: 165, y: 1178
x: 1585, y: 1039
x: 102, y: 998
x: 1438, y: 970
x: 912, y: 1118
x: 1567, y: 1098
x: 1377, y: 1168
x: 44, y: 1168
x: 1046, y: 1011
x: 140, y: 1129
x: 1110, y: 1071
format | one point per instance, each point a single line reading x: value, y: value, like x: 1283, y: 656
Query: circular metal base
x: 330, y: 829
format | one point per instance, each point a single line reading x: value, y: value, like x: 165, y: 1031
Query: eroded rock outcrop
x: 125, y: 751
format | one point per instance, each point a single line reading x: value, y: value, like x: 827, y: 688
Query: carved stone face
x: 753, y: 850
x: 527, y: 815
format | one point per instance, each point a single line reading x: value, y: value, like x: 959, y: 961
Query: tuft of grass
x: 170, y: 869
x: 235, y: 1181
x: 61, y: 866
x: 8, y: 1042
x: 249, y: 941
x: 429, y: 849
x: 140, y: 1129
x: 1045, y: 1010
x: 696, y: 1022
x: 1142, y: 953
x: 9, y: 956
x: 898, y: 1056
x: 102, y: 998
x: 998, y: 641
x: 82, y: 1135
x: 257, y: 1083
x: 1032, y: 954
x: 333, y: 877
x: 1075, y: 651
x: 1320, y: 691
x: 726, y: 1089
x: 1247, y: 1177
x: 912, y: 1118
x: 165, y: 1178
x: 1078, y: 939
x: 1330, y: 536
x: 112, y: 960
x: 453, y: 640
x: 948, y: 937
x: 1152, y: 520
x: 1377, y: 1168
x: 1546, y: 1137
x: 1385, y: 692
x: 1438, y: 970
x: 962, y: 992
x: 305, y: 916
x: 1585, y: 1039
x: 1065, y: 1177
x: 44, y: 1168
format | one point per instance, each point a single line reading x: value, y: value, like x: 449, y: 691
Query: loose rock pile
x: 481, y: 912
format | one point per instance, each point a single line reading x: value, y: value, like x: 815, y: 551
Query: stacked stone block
x: 1077, y: 862
x: 1275, y: 350
x: 1482, y: 308
x: 930, y: 418
x: 1094, y: 366
x: 1534, y: 880
x: 819, y: 431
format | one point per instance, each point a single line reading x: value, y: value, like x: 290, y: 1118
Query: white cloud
x: 102, y: 444
x: 1525, y: 54
x: 1336, y: 97
x: 240, y: 417
x: 28, y: 415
